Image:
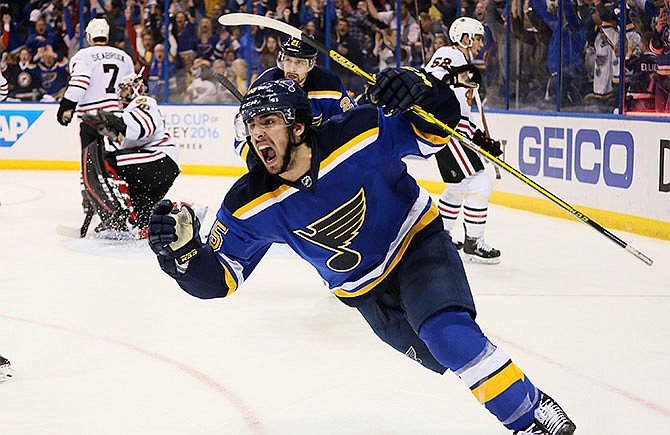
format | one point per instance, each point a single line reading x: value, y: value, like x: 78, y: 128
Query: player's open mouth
x: 268, y: 154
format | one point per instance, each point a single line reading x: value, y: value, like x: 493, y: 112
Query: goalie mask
x: 296, y: 59
x: 97, y: 30
x: 466, y: 26
x: 130, y: 87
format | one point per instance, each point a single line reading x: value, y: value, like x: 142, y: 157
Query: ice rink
x: 102, y: 342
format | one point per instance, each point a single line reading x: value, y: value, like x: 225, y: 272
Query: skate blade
x: 476, y: 259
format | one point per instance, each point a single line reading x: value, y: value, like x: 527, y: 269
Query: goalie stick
x: 243, y: 19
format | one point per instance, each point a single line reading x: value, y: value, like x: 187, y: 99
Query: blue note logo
x: 13, y: 123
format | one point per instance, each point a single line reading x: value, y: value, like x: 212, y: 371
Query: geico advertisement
x: 614, y: 165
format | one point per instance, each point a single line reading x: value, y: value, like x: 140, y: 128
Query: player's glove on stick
x: 464, y: 76
x: 398, y: 89
x: 487, y: 144
x: 65, y: 111
x: 174, y: 235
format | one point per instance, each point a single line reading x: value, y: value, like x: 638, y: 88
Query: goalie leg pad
x: 106, y: 191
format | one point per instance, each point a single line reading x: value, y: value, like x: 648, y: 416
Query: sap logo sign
x: 14, y: 123
x: 583, y: 154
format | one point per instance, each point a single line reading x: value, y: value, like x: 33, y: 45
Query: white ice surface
x: 102, y: 342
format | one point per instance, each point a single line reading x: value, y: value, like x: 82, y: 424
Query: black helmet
x: 296, y: 48
x: 285, y: 96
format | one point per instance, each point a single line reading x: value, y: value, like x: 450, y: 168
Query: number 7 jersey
x: 95, y: 73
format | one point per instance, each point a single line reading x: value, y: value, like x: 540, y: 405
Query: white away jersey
x: 462, y: 159
x: 145, y: 129
x: 444, y: 58
x: 95, y: 73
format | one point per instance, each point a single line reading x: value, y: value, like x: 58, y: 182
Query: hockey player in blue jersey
x: 341, y: 197
x: 297, y: 61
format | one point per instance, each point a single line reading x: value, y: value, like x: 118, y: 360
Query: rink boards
x: 617, y: 171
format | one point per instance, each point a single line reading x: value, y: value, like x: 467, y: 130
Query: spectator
x: 268, y: 57
x: 52, y: 69
x: 385, y: 42
x: 184, y: 33
x: 641, y: 77
x: 661, y: 46
x: 530, y: 72
x: 71, y: 30
x: 442, y: 10
x: 156, y: 80
x: 251, y: 44
x: 202, y: 88
x: 570, y: 51
x: 361, y: 31
x: 10, y: 39
x: 409, y: 31
x: 606, y: 62
x: 228, y: 39
x: 440, y: 41
x: 315, y: 10
x: 42, y: 34
x: 206, y: 41
x: 217, y: 11
x: 239, y: 69
x: 288, y: 11
x: 345, y: 46
x: 24, y: 82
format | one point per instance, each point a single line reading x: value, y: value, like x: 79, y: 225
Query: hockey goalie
x: 131, y: 168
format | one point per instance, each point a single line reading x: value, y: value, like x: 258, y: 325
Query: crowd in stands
x: 39, y: 36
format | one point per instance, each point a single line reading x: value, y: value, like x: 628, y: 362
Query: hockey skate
x: 477, y: 251
x: 550, y: 419
x: 6, y: 371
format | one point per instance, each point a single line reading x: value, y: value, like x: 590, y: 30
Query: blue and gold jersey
x: 352, y: 216
x: 326, y: 92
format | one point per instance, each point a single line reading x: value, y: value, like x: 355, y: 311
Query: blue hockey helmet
x: 284, y: 96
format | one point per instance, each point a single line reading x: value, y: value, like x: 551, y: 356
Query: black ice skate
x: 550, y: 419
x: 477, y: 251
x: 5, y: 369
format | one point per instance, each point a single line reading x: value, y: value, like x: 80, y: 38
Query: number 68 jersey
x: 95, y: 73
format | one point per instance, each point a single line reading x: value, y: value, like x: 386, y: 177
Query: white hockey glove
x: 174, y: 235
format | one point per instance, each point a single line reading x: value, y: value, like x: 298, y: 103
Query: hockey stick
x: 242, y: 19
x: 418, y: 18
x: 228, y: 85
x: 480, y: 106
x: 90, y: 212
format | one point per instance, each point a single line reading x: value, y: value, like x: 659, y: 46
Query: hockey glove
x: 174, y: 235
x: 113, y: 122
x: 487, y: 144
x: 65, y: 111
x: 398, y: 89
x: 464, y: 76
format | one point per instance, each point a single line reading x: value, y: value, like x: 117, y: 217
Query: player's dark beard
x: 290, y: 146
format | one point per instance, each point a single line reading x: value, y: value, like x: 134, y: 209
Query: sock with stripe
x: 458, y: 343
